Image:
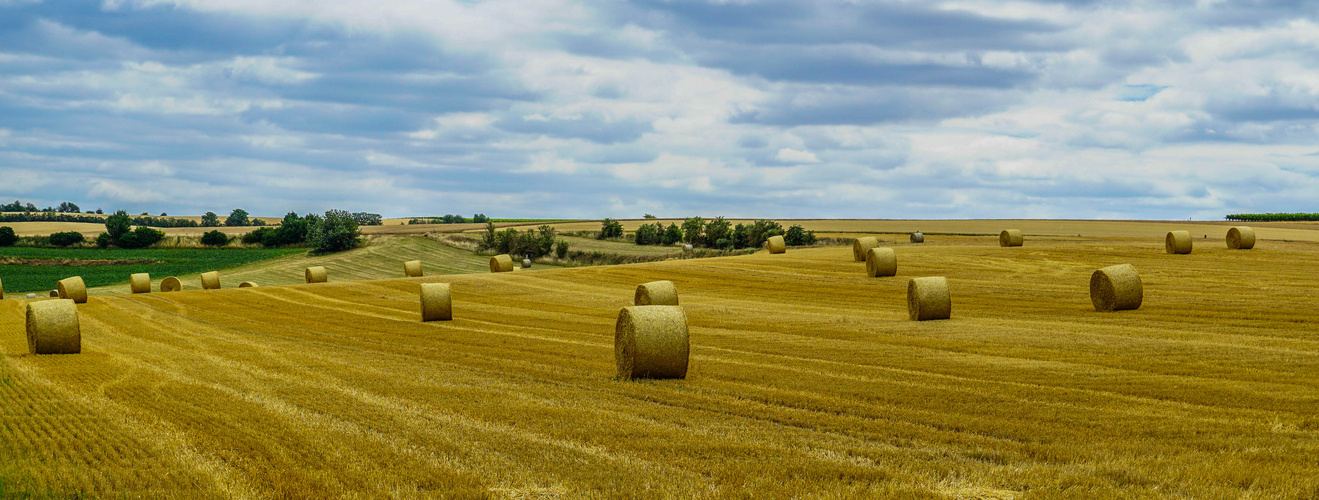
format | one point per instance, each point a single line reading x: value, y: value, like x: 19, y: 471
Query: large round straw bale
x: 917, y: 237
x: 1010, y: 238
x: 171, y: 284
x: 52, y: 327
x: 1116, y: 288
x: 211, y: 280
x: 862, y: 245
x: 140, y: 283
x: 881, y: 262
x: 72, y: 289
x: 1241, y: 238
x: 248, y: 284
x: 2, y: 290
x: 412, y: 269
x: 1177, y: 242
x: 656, y: 293
x: 775, y: 244
x: 927, y: 298
x: 316, y: 274
x: 651, y: 342
x: 501, y: 263
x: 436, y: 303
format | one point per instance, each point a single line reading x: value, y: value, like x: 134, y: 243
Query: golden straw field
x: 805, y: 380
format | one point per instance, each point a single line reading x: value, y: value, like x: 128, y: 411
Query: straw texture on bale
x: 526, y: 263
x: 917, y: 237
x: 247, y: 284
x: 927, y: 298
x: 651, y: 342
x: 316, y: 274
x: 2, y: 290
x: 140, y: 283
x: 1177, y: 242
x: 1241, y: 238
x: 436, y: 303
x: 656, y: 293
x: 881, y: 262
x: 52, y: 327
x: 412, y: 269
x: 171, y: 284
x: 862, y: 245
x: 775, y: 244
x: 1010, y: 238
x: 211, y: 280
x: 501, y: 263
x: 1116, y: 288
x: 72, y: 289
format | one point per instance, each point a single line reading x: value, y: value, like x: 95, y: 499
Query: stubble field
x: 806, y: 380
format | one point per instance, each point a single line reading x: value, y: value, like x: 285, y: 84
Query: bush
x: 215, y: 239
x: 104, y: 240
x: 798, y: 236
x: 263, y: 236
x: 7, y: 236
x: 561, y: 249
x: 610, y: 228
x: 718, y: 229
x: 335, y: 233
x: 692, y: 228
x: 66, y: 238
x: 760, y: 231
x: 672, y: 235
x: 140, y: 238
x: 237, y: 218
x: 647, y: 235
x: 118, y: 225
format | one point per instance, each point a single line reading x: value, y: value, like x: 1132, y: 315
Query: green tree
x: 66, y: 238
x: 761, y: 230
x: 210, y: 220
x: 717, y: 229
x: 545, y: 239
x: 561, y: 249
x: 7, y: 236
x: 672, y: 235
x: 334, y: 233
x: 118, y: 225
x: 739, y: 239
x: 141, y: 237
x: 692, y: 229
x: 798, y: 236
x: 237, y: 218
x: 649, y: 216
x: 215, y: 238
x: 646, y: 235
x: 610, y: 228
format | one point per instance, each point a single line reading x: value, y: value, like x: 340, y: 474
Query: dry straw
x: 917, y: 237
x: 862, y: 245
x: 1116, y: 288
x: 1241, y: 238
x: 436, y: 302
x: 171, y: 284
x: 501, y: 263
x: 881, y: 262
x: 247, y: 284
x: 1010, y: 238
x: 52, y: 327
x: 651, y: 342
x: 140, y: 283
x: 316, y: 274
x: 412, y: 269
x: 656, y: 293
x: 1177, y: 242
x: 72, y: 289
x: 775, y: 244
x: 211, y: 280
x: 927, y: 298
x: 2, y: 290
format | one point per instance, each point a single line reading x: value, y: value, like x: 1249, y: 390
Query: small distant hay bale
x: 917, y: 237
x: 881, y: 262
x: 775, y: 244
x: 140, y: 283
x: 72, y: 289
x: 651, y: 342
x: 436, y: 302
x: 501, y: 263
x: 862, y: 245
x: 54, y: 293
x: 52, y: 327
x: 526, y: 263
x: 248, y: 284
x: 211, y: 280
x: 171, y: 284
x: 31, y: 295
x: 1241, y: 238
x: 656, y: 293
x: 1116, y: 288
x: 316, y: 274
x: 1177, y: 242
x: 412, y: 269
x: 687, y: 247
x: 927, y: 298
x: 1010, y: 238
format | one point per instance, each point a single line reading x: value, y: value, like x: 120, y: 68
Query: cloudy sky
x: 584, y: 108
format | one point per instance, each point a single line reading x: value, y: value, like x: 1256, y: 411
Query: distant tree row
x: 531, y: 244
x: 450, y: 219
x: 717, y: 233
x: 336, y: 231
x: 1273, y: 217
x: 18, y: 206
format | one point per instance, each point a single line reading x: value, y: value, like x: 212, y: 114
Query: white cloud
x: 790, y: 155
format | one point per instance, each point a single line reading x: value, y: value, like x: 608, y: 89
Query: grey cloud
x: 593, y: 128
x: 873, y: 105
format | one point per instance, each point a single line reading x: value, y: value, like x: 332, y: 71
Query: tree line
x: 450, y: 219
x: 1292, y: 217
x: 715, y: 233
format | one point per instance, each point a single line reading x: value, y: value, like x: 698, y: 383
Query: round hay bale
x: 412, y: 269
x: 651, y: 342
x: 52, y: 327
x: 436, y: 302
x: 2, y: 290
x: 171, y: 284
x: 526, y: 263
x: 1177, y: 242
x: 775, y: 244
x: 248, y: 284
x: 1010, y: 238
x: 1116, y: 288
x: 1241, y: 238
x: 140, y: 283
x: 656, y: 293
x: 31, y: 295
x: 862, y: 245
x: 881, y: 262
x: 687, y: 247
x: 72, y: 289
x: 54, y: 294
x: 316, y: 274
x: 927, y: 298
x: 211, y: 280
x: 917, y: 237
x: 501, y: 263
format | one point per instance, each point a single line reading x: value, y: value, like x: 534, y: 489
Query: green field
x: 25, y: 278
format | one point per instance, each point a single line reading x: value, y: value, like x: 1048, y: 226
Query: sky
x: 1189, y: 109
